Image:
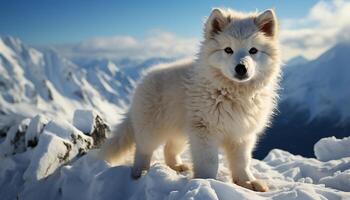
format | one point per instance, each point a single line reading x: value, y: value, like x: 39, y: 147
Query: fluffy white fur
x: 204, y: 103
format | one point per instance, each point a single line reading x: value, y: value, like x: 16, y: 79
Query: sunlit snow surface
x: 50, y: 170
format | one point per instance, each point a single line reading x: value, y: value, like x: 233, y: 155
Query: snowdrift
x: 43, y: 158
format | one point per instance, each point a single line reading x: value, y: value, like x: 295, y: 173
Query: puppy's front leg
x: 239, y: 155
x: 204, y: 151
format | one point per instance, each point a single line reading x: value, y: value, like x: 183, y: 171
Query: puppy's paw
x: 181, y: 167
x: 137, y: 173
x: 256, y: 185
x: 259, y: 186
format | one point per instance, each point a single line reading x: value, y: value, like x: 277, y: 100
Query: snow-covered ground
x: 43, y: 158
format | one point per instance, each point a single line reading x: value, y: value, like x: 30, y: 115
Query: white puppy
x: 225, y: 98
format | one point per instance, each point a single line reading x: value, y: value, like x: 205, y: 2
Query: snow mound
x: 332, y: 148
x: 61, y: 164
x: 340, y: 180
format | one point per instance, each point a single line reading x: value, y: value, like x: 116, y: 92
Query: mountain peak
x: 321, y: 85
x: 44, y: 80
x: 13, y: 43
x: 338, y: 51
x: 297, y: 60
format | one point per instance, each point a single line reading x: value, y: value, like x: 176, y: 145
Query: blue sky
x: 40, y: 22
x: 167, y: 28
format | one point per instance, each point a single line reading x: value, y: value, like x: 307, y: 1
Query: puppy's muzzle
x: 241, y: 71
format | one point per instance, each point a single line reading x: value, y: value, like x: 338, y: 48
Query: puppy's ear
x: 267, y: 23
x: 215, y: 23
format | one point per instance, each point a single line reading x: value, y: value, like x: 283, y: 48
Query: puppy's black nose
x: 241, y: 70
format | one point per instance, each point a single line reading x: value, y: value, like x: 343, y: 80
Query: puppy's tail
x: 120, y: 143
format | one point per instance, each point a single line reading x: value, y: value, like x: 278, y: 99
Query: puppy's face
x: 242, y: 47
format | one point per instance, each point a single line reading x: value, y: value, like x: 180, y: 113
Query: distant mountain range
x: 315, y: 99
x: 33, y: 81
x: 315, y: 103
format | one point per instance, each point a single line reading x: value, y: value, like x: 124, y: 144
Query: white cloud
x: 108, y: 44
x: 156, y: 44
x: 327, y: 23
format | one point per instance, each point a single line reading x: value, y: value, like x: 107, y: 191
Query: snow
x: 58, y: 143
x: 84, y: 120
x: 332, y: 148
x: 15, y: 139
x: 47, y: 156
x: 57, y: 168
x: 35, y: 127
x: 340, y: 180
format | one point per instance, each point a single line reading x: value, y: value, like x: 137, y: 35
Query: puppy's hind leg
x: 142, y: 163
x: 172, y: 152
x: 146, y: 142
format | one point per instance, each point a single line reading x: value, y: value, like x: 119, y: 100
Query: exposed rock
x: 3, y: 132
x: 18, y: 141
x: 91, y: 124
x: 35, y: 128
x: 65, y: 157
x: 101, y: 129
x: 15, y: 139
x: 32, y: 143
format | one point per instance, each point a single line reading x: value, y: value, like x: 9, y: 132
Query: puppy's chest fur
x: 221, y: 111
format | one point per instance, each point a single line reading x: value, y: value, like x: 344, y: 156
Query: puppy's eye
x: 253, y: 50
x: 228, y: 50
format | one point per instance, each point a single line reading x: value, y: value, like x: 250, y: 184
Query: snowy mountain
x: 109, y: 80
x: 298, y: 60
x: 33, y: 81
x: 134, y: 68
x: 314, y: 103
x: 322, y: 85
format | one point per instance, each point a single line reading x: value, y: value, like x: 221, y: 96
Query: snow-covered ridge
x: 314, y: 103
x: 45, y: 158
x: 33, y: 81
x: 52, y: 143
x: 320, y: 86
